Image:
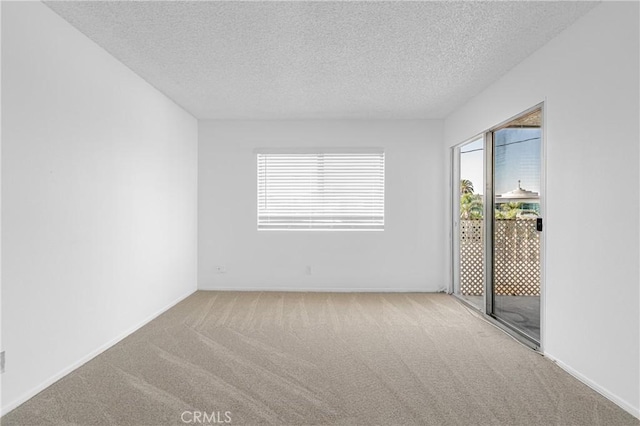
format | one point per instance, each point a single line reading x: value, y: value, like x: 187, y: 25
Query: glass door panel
x: 516, y: 240
x: 468, y: 223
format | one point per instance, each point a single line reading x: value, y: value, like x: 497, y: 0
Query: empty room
x: 327, y: 213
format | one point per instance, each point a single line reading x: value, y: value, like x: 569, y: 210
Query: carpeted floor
x: 319, y: 358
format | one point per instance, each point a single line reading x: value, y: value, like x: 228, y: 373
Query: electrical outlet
x: 1, y: 362
x: 307, y: 270
x: 221, y: 270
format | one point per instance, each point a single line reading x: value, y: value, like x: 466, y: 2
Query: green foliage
x: 471, y: 206
x: 470, y: 203
x: 508, y: 210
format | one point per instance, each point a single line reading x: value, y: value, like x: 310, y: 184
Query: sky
x: 517, y: 157
x: 471, y: 164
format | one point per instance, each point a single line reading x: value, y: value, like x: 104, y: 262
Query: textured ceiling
x: 295, y: 60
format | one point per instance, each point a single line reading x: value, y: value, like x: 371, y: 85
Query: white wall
x: 99, y: 199
x: 588, y: 77
x: 406, y: 256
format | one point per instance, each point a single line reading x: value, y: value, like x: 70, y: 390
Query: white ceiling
x: 296, y: 60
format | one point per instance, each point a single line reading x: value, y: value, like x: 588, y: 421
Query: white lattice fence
x: 516, y: 257
x: 471, y: 254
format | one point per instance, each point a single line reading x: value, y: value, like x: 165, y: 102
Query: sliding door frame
x: 455, y: 219
x: 488, y: 213
x: 488, y: 219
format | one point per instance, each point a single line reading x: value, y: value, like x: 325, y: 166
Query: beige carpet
x: 319, y: 358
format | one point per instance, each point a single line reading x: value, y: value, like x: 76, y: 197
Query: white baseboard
x: 325, y: 289
x: 634, y: 411
x: 51, y: 380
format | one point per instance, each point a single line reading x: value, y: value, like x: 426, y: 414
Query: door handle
x: 539, y: 224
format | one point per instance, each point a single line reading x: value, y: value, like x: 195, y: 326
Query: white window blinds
x: 321, y: 191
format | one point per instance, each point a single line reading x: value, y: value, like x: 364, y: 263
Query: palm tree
x: 471, y: 206
x: 509, y: 210
x: 466, y: 187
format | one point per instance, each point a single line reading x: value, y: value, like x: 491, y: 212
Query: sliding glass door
x: 516, y: 221
x: 497, y: 223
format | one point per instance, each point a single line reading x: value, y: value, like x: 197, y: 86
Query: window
x: 321, y: 190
